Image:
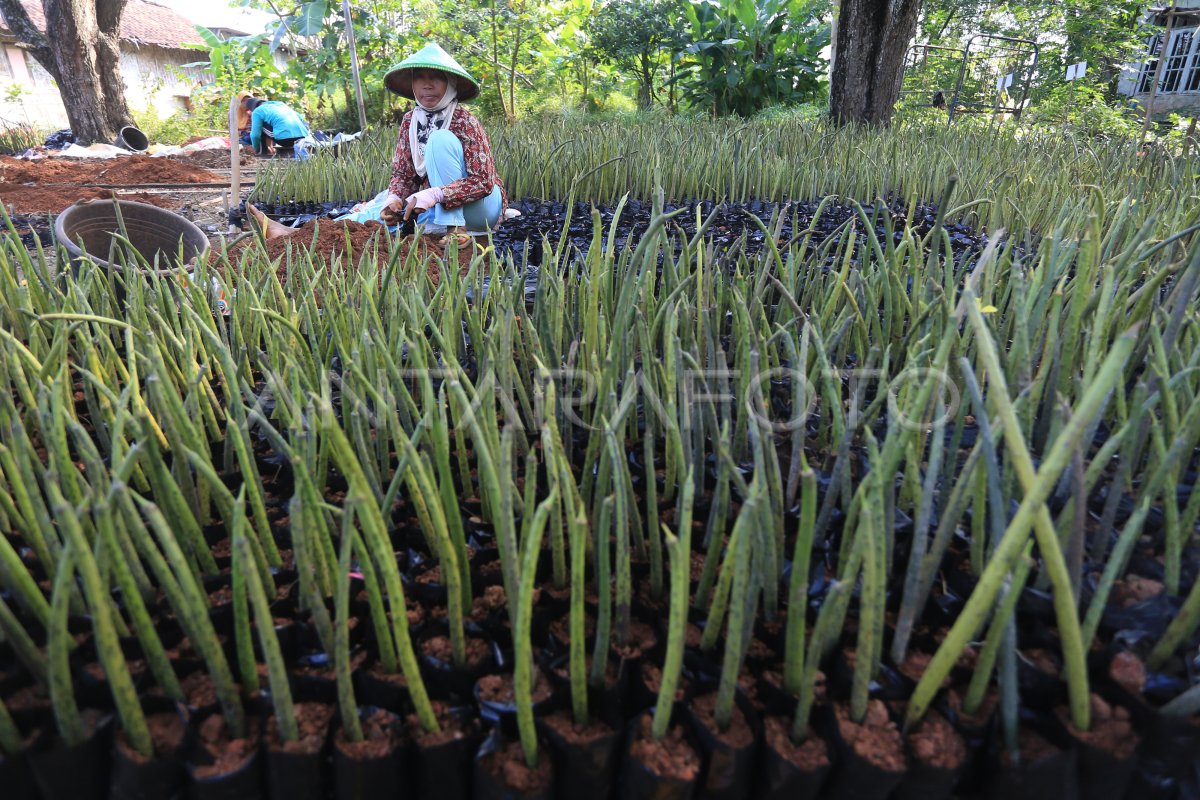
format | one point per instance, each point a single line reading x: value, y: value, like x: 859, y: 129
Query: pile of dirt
x: 37, y: 200
x: 49, y: 185
x: 123, y: 171
x: 208, y: 159
x: 327, y: 240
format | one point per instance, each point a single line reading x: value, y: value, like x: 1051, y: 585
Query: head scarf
x: 427, y: 120
x: 243, y: 113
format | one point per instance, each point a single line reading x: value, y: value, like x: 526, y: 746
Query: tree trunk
x: 645, y: 83
x: 671, y: 97
x: 868, y: 61
x: 584, y: 75
x: 347, y: 93
x: 512, y: 76
x: 85, y: 60
x: 496, y: 59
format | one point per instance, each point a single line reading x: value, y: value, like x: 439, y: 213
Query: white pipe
x: 235, y: 158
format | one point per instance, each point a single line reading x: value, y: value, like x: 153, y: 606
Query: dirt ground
x: 329, y: 240
x: 35, y: 191
x: 38, y: 190
x: 50, y: 185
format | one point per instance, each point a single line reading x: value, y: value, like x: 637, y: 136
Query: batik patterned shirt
x: 477, y: 153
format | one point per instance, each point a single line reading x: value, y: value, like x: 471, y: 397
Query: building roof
x: 143, y: 23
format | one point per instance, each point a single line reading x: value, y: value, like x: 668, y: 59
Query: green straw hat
x: 431, y: 56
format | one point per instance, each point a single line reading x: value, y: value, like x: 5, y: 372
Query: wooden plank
x: 139, y: 186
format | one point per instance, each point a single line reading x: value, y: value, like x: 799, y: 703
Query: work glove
x: 422, y: 200
x: 392, y: 208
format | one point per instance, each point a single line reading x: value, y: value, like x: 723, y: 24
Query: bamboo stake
x: 1163, y: 55
x: 358, y: 92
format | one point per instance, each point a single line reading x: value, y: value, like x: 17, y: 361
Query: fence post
x: 1163, y: 55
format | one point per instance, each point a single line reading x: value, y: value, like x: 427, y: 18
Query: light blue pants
x: 445, y: 164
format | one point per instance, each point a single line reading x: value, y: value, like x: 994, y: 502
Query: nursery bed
x: 361, y: 537
x: 522, y: 237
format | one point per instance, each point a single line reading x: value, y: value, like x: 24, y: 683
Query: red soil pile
x: 499, y: 688
x: 227, y: 754
x: 36, y: 200
x: 30, y: 187
x: 507, y: 764
x: 327, y: 240
x: 1112, y: 729
x: 936, y: 743
x: 123, y: 170
x: 167, y: 732
x: 491, y: 602
x: 738, y: 734
x: 652, y: 679
x: 439, y: 648
x: 673, y: 757
x: 452, y: 726
x: 1128, y: 670
x: 381, y: 735
x: 1133, y: 589
x: 199, y: 689
x: 641, y: 639
x: 564, y: 725
x: 312, y: 721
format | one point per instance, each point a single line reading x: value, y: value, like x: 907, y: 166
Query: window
x: 1153, y: 48
x: 1181, y: 70
x: 1192, y: 69
x: 1193, y: 83
x: 1180, y: 50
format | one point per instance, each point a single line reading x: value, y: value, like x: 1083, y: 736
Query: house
x: 154, y: 47
x: 1179, y: 81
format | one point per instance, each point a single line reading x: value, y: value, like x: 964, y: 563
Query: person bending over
x: 276, y: 120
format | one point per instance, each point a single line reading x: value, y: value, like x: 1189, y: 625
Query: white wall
x: 148, y: 81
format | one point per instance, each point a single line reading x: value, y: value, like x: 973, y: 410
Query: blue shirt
x: 283, y: 122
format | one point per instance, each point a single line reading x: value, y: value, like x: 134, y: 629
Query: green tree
x: 1105, y: 33
x: 745, y: 55
x: 571, y: 62
x: 239, y: 63
x: 81, y: 49
x: 501, y: 42
x: 384, y: 31
x: 638, y: 38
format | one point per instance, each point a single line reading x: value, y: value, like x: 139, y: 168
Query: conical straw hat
x: 431, y: 56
